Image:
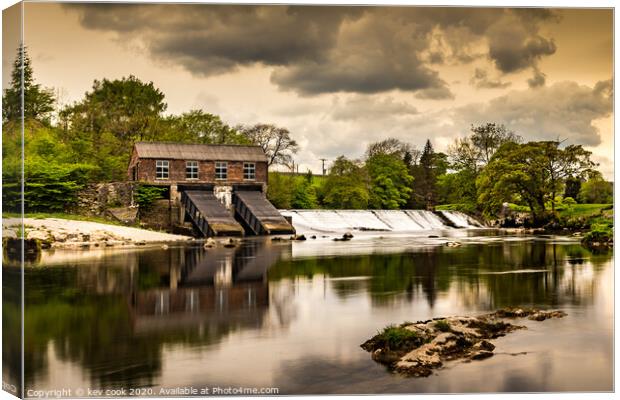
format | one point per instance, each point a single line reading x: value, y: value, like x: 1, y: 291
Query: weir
x: 259, y: 215
x: 378, y: 220
x: 209, y: 214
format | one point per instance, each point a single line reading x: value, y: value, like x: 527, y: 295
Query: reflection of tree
x: 11, y: 326
x: 485, y: 274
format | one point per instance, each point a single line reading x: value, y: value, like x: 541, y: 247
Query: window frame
x: 167, y: 169
x: 246, y: 166
x: 195, y: 169
x: 218, y: 165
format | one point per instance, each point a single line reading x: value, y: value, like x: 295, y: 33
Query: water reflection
x: 186, y: 315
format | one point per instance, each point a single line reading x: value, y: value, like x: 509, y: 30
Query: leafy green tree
x: 572, y: 186
x: 390, y: 182
x: 596, y: 191
x: 38, y: 101
x: 458, y: 188
x: 561, y: 164
x: 128, y: 108
x: 531, y: 173
x: 280, y: 190
x: 196, y: 126
x: 346, y: 186
x: 304, y: 194
x: 110, y: 118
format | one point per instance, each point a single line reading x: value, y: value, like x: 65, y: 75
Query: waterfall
x: 376, y: 220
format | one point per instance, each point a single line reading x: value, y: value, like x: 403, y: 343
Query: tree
x: 390, y: 146
x: 488, y: 138
x: 280, y: 190
x: 304, y: 193
x: 346, y: 186
x: 425, y: 178
x: 458, y: 188
x: 531, y: 173
x: 571, y: 162
x: 110, y: 118
x: 38, y: 101
x: 128, y: 108
x: 596, y: 191
x: 196, y: 126
x: 390, y: 182
x: 572, y: 186
x: 276, y: 142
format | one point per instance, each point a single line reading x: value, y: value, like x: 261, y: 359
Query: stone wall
x: 163, y: 215
x: 95, y: 199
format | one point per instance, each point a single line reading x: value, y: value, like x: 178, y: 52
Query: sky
x: 341, y: 77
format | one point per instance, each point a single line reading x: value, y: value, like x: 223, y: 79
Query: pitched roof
x: 200, y: 152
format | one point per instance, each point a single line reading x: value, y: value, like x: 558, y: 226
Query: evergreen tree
x: 38, y: 101
x: 425, y: 179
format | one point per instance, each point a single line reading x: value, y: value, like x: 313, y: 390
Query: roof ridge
x: 198, y: 144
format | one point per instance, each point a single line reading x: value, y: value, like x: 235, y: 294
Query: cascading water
x: 377, y: 220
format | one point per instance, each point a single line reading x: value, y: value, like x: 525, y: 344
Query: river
x: 292, y: 315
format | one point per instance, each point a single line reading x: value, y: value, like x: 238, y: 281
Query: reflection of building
x: 213, y: 287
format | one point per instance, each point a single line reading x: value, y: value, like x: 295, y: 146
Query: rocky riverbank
x: 62, y: 233
x: 416, y: 349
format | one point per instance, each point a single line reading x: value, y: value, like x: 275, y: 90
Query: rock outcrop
x: 416, y: 349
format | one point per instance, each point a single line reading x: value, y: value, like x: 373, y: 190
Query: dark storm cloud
x: 564, y: 110
x: 481, y: 80
x: 537, y: 80
x: 318, y: 49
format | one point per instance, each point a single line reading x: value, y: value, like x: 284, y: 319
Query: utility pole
x: 323, y: 167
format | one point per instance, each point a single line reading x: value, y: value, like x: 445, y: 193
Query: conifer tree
x: 38, y: 101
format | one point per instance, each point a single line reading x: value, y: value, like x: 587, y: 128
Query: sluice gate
x: 209, y: 214
x: 259, y: 215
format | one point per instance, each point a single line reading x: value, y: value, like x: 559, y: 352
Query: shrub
x: 443, y: 326
x: 396, y: 337
x: 145, y: 195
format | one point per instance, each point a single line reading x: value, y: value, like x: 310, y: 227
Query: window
x: 249, y: 171
x: 161, y: 169
x: 221, y: 170
x: 191, y: 170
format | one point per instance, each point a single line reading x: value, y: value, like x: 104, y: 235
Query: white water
x: 376, y: 220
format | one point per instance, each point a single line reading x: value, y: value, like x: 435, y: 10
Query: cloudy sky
x: 341, y: 77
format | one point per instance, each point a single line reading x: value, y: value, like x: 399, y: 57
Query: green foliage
x: 390, y: 182
x: 196, y: 126
x: 467, y: 208
x: 531, y: 173
x: 443, y: 326
x: 596, y: 190
x: 425, y: 174
x: 458, y: 188
x: 346, y: 187
x: 38, y: 101
x: 599, y: 234
x: 48, y: 186
x: 395, y: 337
x: 304, y: 194
x: 145, y: 195
x: 572, y: 186
x: 280, y: 190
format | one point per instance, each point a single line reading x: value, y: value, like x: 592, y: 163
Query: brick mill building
x: 221, y: 188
